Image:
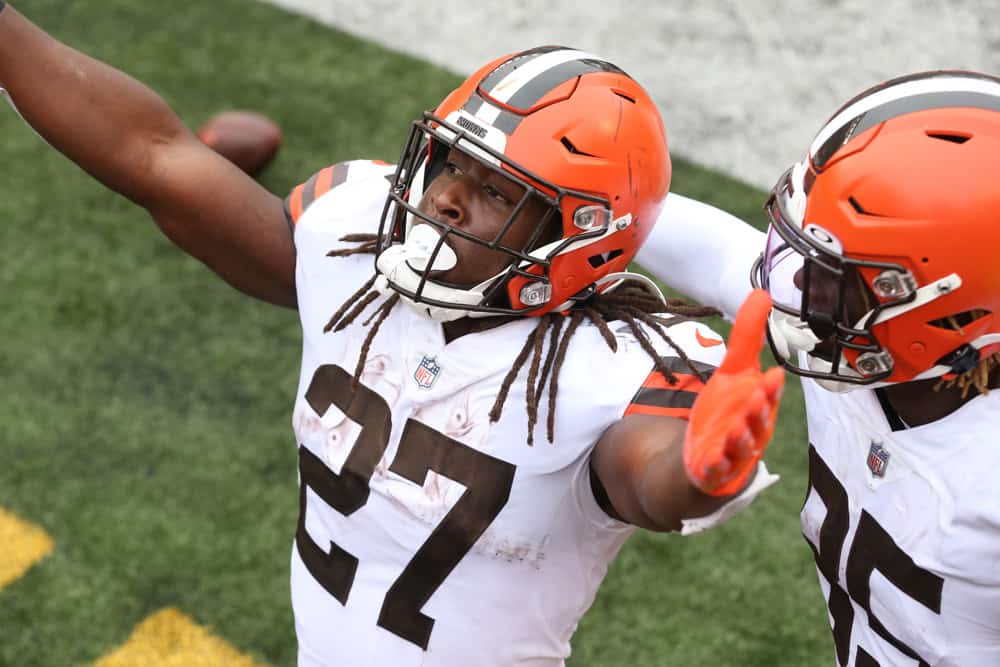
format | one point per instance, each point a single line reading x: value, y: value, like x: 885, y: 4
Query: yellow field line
x: 169, y: 638
x: 22, y: 544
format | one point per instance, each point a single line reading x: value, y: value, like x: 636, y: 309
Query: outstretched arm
x: 125, y: 136
x: 659, y: 471
x: 703, y: 252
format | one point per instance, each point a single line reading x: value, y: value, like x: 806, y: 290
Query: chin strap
x: 435, y: 313
x: 615, y: 280
x: 792, y: 337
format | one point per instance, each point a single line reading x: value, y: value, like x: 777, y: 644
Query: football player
x: 435, y: 526
x: 881, y: 259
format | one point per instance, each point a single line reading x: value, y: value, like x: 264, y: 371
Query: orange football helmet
x: 882, y: 248
x: 579, y: 136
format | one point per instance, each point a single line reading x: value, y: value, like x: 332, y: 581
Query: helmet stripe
x: 537, y: 88
x: 474, y: 103
x: 521, y: 82
x: 515, y: 61
x: 507, y: 122
x: 907, y: 95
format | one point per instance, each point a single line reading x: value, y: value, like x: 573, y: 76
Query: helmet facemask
x: 827, y: 305
x: 415, y: 249
x: 893, y: 207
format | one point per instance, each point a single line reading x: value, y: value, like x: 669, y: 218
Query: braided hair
x: 634, y: 304
x: 979, y: 376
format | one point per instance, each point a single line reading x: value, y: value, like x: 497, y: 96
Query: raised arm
x: 124, y: 135
x: 665, y: 473
x: 702, y: 252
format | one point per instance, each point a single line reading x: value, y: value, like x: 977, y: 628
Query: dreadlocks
x: 979, y: 375
x: 633, y: 304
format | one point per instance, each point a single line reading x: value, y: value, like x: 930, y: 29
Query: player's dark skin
x: 916, y: 403
x: 214, y: 212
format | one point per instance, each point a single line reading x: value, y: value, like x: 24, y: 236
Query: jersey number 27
x: 488, y: 481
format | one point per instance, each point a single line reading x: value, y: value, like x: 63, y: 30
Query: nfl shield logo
x: 878, y: 459
x: 427, y: 372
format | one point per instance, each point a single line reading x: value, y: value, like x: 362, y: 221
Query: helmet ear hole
x: 953, y: 137
x: 956, y: 321
x: 603, y: 258
x: 571, y: 147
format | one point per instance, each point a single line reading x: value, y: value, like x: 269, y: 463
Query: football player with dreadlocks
x: 436, y: 527
x: 881, y: 259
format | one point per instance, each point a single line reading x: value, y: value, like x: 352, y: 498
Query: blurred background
x: 148, y: 492
x: 743, y: 85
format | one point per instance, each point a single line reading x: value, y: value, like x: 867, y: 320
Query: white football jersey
x: 905, y: 525
x: 427, y: 534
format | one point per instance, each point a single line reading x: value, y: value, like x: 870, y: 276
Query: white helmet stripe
x: 942, y: 90
x: 523, y: 75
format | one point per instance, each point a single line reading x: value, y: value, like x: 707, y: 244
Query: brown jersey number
x: 488, y: 482
x: 871, y: 549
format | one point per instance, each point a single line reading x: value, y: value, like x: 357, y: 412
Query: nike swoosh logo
x: 706, y: 342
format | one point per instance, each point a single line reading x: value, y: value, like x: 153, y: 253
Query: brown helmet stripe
x: 940, y: 89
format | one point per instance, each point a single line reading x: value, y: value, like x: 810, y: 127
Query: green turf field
x: 146, y: 406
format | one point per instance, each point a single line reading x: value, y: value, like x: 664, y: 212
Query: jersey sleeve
x: 702, y: 252
x: 302, y: 196
x: 704, y: 350
x: 323, y: 181
x: 658, y: 396
x: 691, y: 356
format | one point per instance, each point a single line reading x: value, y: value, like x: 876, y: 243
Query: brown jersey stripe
x: 679, y: 366
x: 319, y: 184
x: 664, y: 398
x: 657, y: 396
x: 314, y: 187
x: 656, y: 411
x: 655, y: 380
x: 289, y: 220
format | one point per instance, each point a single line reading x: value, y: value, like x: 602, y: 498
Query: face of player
x: 469, y: 196
x: 824, y: 295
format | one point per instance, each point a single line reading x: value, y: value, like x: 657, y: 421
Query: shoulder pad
x: 326, y: 180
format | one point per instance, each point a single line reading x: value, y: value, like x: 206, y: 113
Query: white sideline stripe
x: 743, y: 86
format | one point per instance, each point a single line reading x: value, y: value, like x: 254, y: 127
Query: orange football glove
x: 733, y: 417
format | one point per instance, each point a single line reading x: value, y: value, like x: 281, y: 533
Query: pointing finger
x: 747, y: 336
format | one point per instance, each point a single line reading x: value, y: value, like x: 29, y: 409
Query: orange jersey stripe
x: 657, y: 396
x: 295, y: 203
x: 324, y: 181
x: 319, y: 184
x: 679, y: 413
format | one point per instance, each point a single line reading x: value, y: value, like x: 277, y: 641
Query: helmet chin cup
x: 790, y: 335
x: 423, y: 243
x: 400, y: 274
